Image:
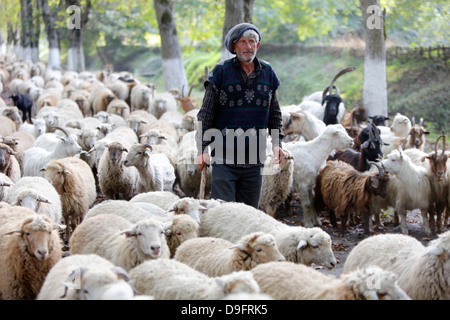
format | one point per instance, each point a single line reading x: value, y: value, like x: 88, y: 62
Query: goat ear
x: 426, y: 132
x: 374, y: 182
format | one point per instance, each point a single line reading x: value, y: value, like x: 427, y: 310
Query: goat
x: 24, y: 102
x: 344, y: 190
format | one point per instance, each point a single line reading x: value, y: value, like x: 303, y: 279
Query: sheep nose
x: 42, y: 253
x: 155, y: 249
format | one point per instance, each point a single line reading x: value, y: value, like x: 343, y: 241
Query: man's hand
x: 278, y: 155
x: 203, y: 160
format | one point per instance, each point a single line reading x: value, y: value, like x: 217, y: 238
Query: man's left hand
x: 278, y: 155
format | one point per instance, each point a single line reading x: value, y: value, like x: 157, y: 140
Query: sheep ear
x: 239, y: 246
x: 59, y: 226
x: 121, y: 273
x: 219, y: 281
x: 301, y: 244
x: 202, y: 208
x: 18, y: 230
x: 168, y: 228
x: 129, y: 233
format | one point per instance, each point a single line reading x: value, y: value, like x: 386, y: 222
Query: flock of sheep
x: 106, y: 167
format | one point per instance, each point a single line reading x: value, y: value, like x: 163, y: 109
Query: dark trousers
x: 236, y: 184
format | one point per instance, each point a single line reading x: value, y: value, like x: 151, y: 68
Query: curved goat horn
x: 436, y: 145
x: 190, y: 91
x: 182, y: 91
x: 380, y: 169
x: 339, y: 74
x: 63, y: 130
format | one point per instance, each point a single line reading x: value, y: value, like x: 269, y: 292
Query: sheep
x: 422, y: 271
x: 5, y: 185
x: 119, y: 107
x: 13, y: 114
x: 7, y: 126
x: 48, y: 98
x: 29, y: 247
x: 230, y: 221
x: 310, y: 156
x: 161, y: 103
x: 290, y: 281
x: 123, y: 243
x: 115, y: 120
x: 173, y: 117
x: 344, y: 190
x: 141, y: 96
x: 178, y: 228
x: 168, y: 279
x: 408, y: 189
x: 119, y: 88
x: 38, y: 195
x: 189, y: 206
x: 37, y: 158
x: 187, y: 168
x: 117, y: 181
x: 163, y: 199
x: 8, y: 163
x: 277, y: 183
x: 157, y: 137
x: 166, y: 127
x: 155, y: 170
x: 24, y: 102
x: 19, y: 141
x: 140, y: 121
x: 302, y: 122
x: 81, y: 97
x: 74, y: 181
x: 100, y: 99
x: 85, y: 277
x: 216, y: 257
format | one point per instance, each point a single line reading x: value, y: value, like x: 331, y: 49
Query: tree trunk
x: 172, y: 62
x: 35, y: 32
x: 77, y: 20
x: 375, y: 99
x: 26, y: 17
x: 54, y: 58
x: 236, y: 11
x: 12, y: 39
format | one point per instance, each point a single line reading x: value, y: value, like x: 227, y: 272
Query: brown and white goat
x: 344, y: 191
x: 417, y: 136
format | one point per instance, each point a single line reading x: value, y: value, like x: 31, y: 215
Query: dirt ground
x: 355, y: 233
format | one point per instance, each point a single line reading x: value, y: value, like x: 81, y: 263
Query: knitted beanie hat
x: 236, y: 32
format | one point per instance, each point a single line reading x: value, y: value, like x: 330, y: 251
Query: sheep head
x: 116, y: 150
x: 36, y: 232
x: 150, y: 237
x: 5, y: 153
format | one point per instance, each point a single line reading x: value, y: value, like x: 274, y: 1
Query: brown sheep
x: 29, y: 247
x: 344, y: 190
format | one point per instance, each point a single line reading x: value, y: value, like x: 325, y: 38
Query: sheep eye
x: 28, y: 234
x: 139, y: 233
x: 259, y: 250
x: 178, y: 234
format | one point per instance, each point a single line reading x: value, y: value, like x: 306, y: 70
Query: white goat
x: 310, y: 157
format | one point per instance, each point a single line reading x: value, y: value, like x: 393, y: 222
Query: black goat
x: 333, y: 101
x: 24, y: 103
x: 379, y: 120
x: 370, y: 151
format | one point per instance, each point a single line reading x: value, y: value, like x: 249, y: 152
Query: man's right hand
x: 203, y: 160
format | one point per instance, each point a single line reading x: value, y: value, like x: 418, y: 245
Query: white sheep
x: 168, y: 279
x: 125, y: 209
x: 75, y: 183
x: 290, y: 281
x: 277, y: 183
x: 118, y: 240
x: 37, y: 158
x: 36, y: 129
x: 119, y: 107
x: 113, y: 119
x: 85, y: 277
x: 116, y: 181
x: 161, y: 103
x: 408, y: 189
x: 7, y: 126
x: 163, y: 199
x: 310, y: 157
x: 155, y: 170
x: 19, y: 141
x: 178, y: 228
x: 140, y: 121
x: 231, y: 221
x: 38, y: 195
x: 141, y: 96
x: 216, y: 257
x: 422, y: 272
x: 29, y: 247
x: 394, y: 136
x: 190, y: 206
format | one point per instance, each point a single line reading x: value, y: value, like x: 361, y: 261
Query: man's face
x: 246, y: 49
